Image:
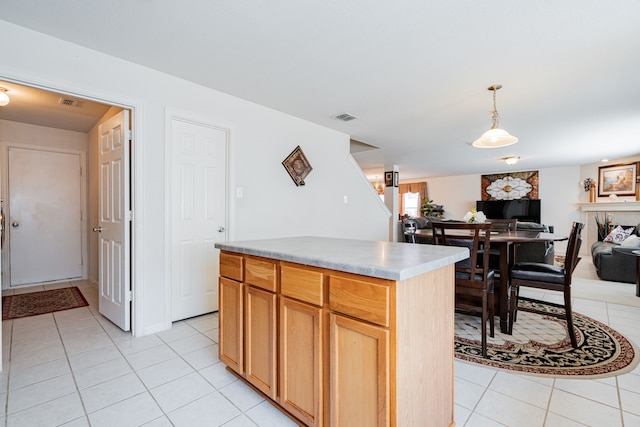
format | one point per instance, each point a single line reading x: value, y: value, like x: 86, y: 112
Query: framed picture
x: 388, y: 179
x: 617, y: 179
x: 297, y: 165
x: 509, y: 186
x: 396, y: 179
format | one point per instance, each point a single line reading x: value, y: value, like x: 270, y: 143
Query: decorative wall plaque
x: 297, y: 165
x: 510, y: 186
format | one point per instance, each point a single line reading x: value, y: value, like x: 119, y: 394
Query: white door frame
x: 171, y: 115
x: 6, y: 250
x: 136, y: 179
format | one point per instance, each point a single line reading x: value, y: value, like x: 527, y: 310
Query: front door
x: 114, y: 298
x: 45, y: 216
x: 198, y: 216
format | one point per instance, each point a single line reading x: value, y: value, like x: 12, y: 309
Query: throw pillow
x: 632, y: 241
x: 618, y: 235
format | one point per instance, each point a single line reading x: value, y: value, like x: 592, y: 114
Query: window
x: 411, y: 204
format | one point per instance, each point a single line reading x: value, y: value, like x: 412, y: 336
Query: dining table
x: 505, y: 242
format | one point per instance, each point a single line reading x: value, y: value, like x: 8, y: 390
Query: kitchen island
x: 342, y: 332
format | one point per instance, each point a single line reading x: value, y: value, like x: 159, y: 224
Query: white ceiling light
x: 4, y: 98
x: 512, y: 160
x: 494, y: 137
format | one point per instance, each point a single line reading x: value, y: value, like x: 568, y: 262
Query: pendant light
x: 4, y: 98
x: 495, y: 137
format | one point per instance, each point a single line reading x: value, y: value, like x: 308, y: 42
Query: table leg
x: 638, y: 275
x: 503, y: 292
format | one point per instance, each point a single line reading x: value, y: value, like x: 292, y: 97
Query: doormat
x: 34, y: 303
x: 540, y: 345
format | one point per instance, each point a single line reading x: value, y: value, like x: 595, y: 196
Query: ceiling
x: 44, y: 108
x: 415, y: 72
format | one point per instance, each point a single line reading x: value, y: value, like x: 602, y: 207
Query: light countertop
x: 385, y: 260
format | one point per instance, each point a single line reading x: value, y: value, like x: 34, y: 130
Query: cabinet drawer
x: 360, y: 299
x: 231, y: 266
x: 301, y: 283
x: 260, y: 272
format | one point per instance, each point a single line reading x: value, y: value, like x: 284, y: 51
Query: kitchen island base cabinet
x: 335, y: 348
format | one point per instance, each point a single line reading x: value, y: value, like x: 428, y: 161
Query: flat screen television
x: 525, y: 210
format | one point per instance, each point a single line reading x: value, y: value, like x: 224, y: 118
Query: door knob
x: 221, y: 229
x: 15, y: 224
x: 97, y: 229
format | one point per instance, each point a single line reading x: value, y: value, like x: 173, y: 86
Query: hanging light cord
x: 495, y: 118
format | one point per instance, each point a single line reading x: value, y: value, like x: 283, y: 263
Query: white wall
x: 24, y: 133
x: 559, y: 193
x: 260, y: 139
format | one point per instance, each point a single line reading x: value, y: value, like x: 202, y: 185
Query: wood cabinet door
x: 301, y: 356
x: 359, y: 371
x: 260, y: 340
x: 231, y: 318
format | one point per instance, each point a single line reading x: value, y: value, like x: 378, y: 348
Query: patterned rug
x: 540, y: 346
x: 34, y: 303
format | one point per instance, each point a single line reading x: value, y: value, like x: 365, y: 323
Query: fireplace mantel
x: 624, y: 213
x: 610, y: 207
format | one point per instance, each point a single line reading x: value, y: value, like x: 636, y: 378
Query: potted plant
x: 429, y: 208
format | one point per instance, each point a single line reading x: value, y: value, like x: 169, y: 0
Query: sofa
x: 615, y: 261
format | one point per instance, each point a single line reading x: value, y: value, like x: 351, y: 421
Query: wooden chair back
x: 473, y: 236
x: 573, y: 248
x: 503, y: 224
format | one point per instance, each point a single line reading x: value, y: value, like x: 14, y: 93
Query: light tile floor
x: 75, y: 368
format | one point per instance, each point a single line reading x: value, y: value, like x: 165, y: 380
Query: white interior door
x: 45, y: 216
x: 198, y: 216
x: 114, y: 298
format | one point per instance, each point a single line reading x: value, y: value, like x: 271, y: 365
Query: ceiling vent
x: 70, y: 102
x: 345, y: 117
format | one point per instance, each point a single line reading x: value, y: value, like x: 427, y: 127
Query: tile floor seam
x: 133, y: 370
x: 547, y: 409
x: 73, y: 376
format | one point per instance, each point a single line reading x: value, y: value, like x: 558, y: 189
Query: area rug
x: 34, y: 303
x: 540, y: 346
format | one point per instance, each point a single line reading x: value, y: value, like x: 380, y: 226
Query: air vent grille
x: 345, y: 117
x: 70, y: 102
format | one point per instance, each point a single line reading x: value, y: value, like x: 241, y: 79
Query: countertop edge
x: 448, y: 255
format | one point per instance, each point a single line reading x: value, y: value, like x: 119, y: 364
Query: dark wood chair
x: 474, y: 281
x: 547, y: 277
x: 503, y: 224
x: 500, y: 226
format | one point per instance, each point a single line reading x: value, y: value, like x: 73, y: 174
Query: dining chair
x: 474, y: 281
x: 409, y: 227
x: 547, y: 277
x: 503, y: 224
x: 499, y: 226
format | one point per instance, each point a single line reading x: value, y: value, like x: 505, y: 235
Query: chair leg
x: 484, y: 323
x: 513, y: 307
x: 515, y: 314
x: 569, y: 315
x: 492, y: 316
